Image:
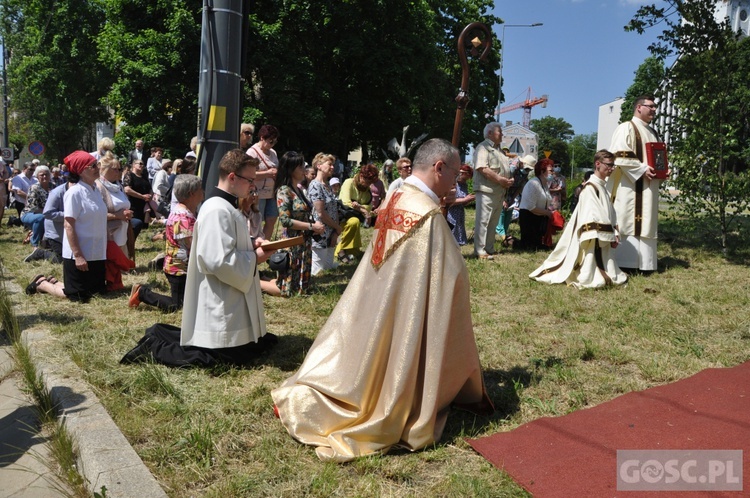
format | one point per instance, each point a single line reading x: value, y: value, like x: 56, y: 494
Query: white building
x: 519, y: 140
x: 609, y: 118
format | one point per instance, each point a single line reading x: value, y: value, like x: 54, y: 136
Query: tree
x: 581, y: 150
x: 553, y: 134
x: 55, y: 84
x: 153, y: 48
x: 648, y: 78
x: 709, y: 129
x: 332, y: 76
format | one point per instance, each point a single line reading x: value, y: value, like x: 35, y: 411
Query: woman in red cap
x: 85, y: 239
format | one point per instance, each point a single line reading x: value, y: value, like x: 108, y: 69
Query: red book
x: 656, y: 153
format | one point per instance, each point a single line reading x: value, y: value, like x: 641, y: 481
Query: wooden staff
x: 469, y: 37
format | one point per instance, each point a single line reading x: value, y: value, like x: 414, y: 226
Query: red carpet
x: 576, y: 455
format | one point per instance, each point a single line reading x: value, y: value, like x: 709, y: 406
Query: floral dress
x: 557, y: 197
x: 317, y: 191
x: 457, y: 215
x: 294, y: 206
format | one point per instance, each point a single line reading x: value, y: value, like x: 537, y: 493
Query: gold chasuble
x: 397, y: 350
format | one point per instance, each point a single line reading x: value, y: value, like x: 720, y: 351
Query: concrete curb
x: 105, y: 458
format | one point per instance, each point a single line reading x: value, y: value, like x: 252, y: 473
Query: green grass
x: 546, y: 350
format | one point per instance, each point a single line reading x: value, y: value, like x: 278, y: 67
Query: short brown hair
x: 639, y: 100
x: 234, y: 160
x: 602, y: 155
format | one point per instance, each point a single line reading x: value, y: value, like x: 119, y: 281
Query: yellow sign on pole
x: 217, y: 118
x: 547, y: 153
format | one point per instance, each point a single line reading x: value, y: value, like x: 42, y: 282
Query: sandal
x: 52, y: 280
x: 31, y: 288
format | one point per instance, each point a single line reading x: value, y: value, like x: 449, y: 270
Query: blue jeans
x: 36, y: 223
x: 137, y: 225
x: 268, y: 208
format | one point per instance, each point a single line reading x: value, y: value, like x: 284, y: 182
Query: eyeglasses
x: 94, y: 166
x: 651, y: 106
x: 248, y: 133
x: 609, y: 165
x: 456, y: 172
x: 405, y: 167
x: 252, y: 181
x: 271, y: 141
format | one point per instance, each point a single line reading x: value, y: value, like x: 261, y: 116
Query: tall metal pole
x: 5, y: 102
x: 500, y: 99
x: 222, y: 39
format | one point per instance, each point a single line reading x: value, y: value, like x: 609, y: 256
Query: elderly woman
x: 403, y: 166
x: 325, y: 211
x: 105, y: 145
x: 386, y: 174
x: 32, y: 215
x: 118, y: 220
x: 118, y: 204
x: 534, y: 212
x: 85, y: 240
x: 179, y: 237
x: 456, y: 212
x: 268, y: 163
x: 295, y: 215
x: 355, y: 193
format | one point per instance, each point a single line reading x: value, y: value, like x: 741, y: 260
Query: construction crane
x: 526, y: 105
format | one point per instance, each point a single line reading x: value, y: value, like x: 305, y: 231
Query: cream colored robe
x: 398, y: 348
x: 223, y: 305
x: 638, y: 249
x: 583, y: 257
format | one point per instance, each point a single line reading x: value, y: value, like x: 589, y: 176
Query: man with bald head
x: 386, y: 375
x: 137, y: 154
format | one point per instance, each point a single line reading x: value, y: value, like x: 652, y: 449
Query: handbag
x: 280, y: 261
x: 346, y: 212
x: 164, y: 207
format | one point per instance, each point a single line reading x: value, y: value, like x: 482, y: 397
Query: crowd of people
x: 342, y: 399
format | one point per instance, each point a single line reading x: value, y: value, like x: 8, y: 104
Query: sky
x: 581, y: 57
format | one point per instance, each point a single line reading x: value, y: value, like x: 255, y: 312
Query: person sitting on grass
x: 179, y: 237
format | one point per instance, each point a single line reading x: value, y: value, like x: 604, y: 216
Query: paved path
x: 22, y: 448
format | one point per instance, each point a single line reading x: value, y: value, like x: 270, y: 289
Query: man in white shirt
x: 491, y: 179
x: 20, y: 185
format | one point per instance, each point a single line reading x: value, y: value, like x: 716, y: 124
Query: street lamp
x: 502, y: 54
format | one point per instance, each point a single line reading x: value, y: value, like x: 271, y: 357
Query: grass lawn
x: 546, y: 351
